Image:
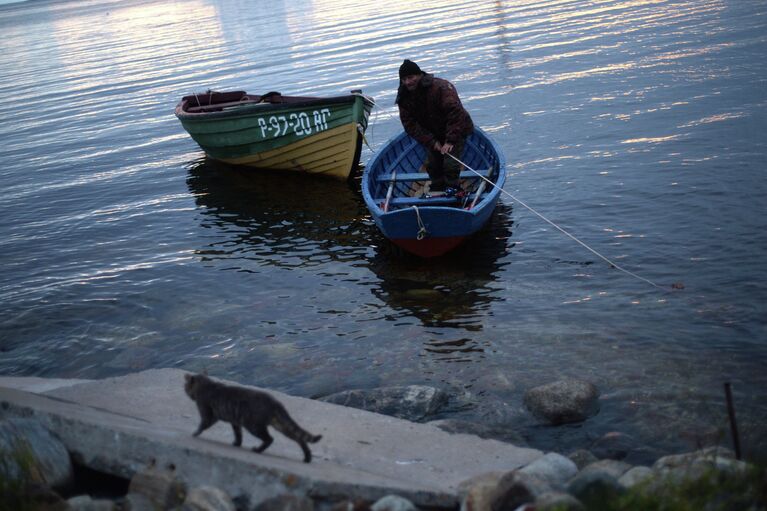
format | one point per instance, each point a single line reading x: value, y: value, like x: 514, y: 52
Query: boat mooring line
x: 584, y: 245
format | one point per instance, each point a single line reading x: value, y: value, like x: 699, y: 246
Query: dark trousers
x: 443, y: 170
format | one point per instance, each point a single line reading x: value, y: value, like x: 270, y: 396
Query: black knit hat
x: 409, y: 67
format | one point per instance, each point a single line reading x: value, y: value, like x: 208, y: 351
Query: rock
x: 30, y: 453
x: 710, y: 455
x: 412, y: 402
x: 553, y: 468
x: 502, y: 433
x: 87, y: 503
x: 478, y: 493
x: 593, y: 489
x: 32, y: 496
x: 563, y: 401
x: 613, y: 445
x: 286, y: 503
x: 635, y: 476
x: 161, y: 487
x: 612, y: 468
x: 351, y: 505
x: 582, y: 457
x: 695, y: 466
x: 623, y: 447
x: 138, y: 502
x: 557, y: 501
x: 207, y: 498
x: 393, y: 503
x: 516, y: 489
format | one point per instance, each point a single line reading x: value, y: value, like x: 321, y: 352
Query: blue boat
x: 395, y: 187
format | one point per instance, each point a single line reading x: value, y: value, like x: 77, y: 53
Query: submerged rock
x: 563, y: 401
x: 494, y: 432
x: 411, y: 402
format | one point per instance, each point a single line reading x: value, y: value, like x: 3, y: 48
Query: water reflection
x: 276, y: 218
x: 286, y: 220
x: 452, y: 291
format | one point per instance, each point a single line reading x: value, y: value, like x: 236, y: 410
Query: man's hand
x: 446, y: 148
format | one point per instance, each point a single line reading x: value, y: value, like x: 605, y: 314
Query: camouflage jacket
x: 433, y: 112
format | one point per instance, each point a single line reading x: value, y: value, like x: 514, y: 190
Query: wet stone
x: 411, y: 402
x: 563, y: 401
x: 494, y: 432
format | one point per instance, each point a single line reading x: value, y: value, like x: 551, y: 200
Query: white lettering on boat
x: 298, y: 123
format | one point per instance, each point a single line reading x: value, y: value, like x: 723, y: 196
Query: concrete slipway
x: 121, y: 425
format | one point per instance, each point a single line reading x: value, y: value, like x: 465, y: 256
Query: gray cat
x: 241, y: 407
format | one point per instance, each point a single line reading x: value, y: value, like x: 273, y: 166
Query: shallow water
x: 638, y: 126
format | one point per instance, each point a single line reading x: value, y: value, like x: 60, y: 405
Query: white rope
x: 422, y: 232
x: 611, y: 263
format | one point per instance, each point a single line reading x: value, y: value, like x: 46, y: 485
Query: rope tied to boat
x: 422, y: 232
x: 362, y: 134
x: 611, y: 263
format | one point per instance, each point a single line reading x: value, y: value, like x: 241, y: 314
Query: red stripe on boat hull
x: 429, y: 247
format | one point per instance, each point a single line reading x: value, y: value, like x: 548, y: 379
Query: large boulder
x: 411, y: 402
x: 563, y: 401
x: 30, y: 454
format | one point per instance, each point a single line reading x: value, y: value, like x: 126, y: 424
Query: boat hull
x: 430, y: 227
x: 321, y: 136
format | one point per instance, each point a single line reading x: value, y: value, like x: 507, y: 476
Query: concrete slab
x: 37, y: 385
x: 123, y: 424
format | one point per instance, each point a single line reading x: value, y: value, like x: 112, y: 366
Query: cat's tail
x: 285, y: 424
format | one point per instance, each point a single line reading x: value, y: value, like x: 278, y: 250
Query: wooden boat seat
x: 423, y: 176
x: 406, y: 202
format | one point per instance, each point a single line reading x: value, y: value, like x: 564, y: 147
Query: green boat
x: 315, y: 135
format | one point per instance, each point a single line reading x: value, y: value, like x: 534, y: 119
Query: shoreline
x: 137, y: 429
x: 120, y: 425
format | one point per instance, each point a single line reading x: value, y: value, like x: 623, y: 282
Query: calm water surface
x: 639, y: 126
